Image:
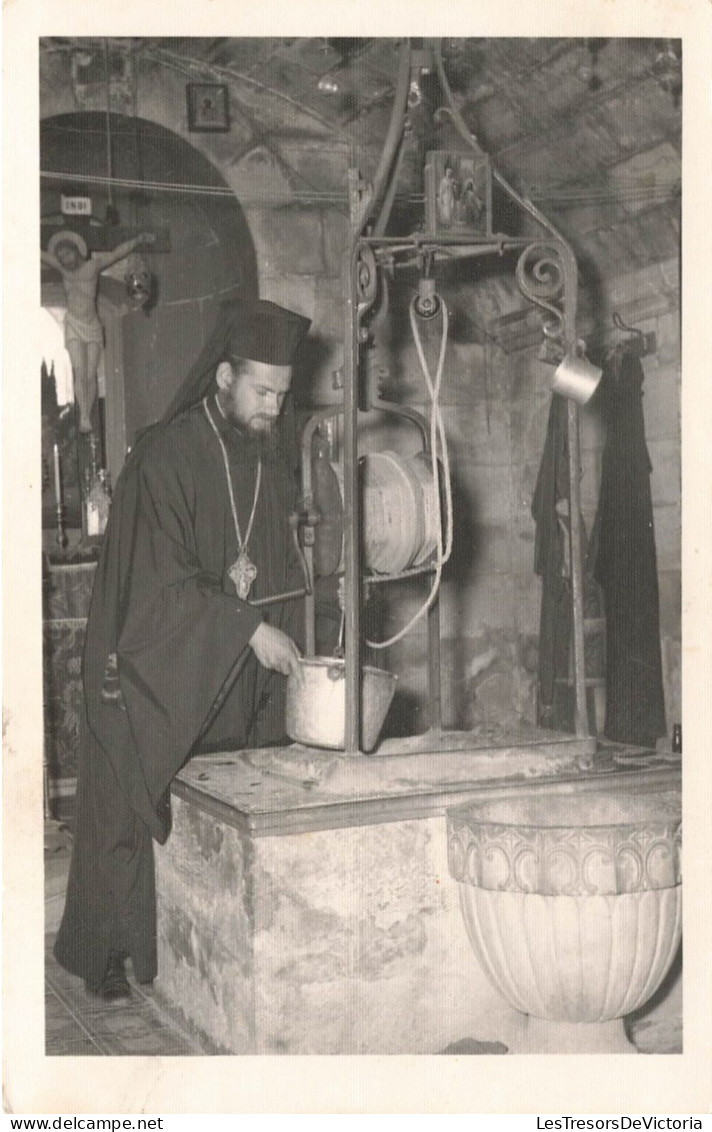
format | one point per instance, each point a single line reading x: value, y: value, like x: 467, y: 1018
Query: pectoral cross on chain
x: 242, y: 573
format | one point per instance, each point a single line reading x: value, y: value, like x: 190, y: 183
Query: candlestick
x: 57, y: 477
x: 62, y: 539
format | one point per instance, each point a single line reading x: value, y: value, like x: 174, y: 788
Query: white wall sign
x: 76, y: 206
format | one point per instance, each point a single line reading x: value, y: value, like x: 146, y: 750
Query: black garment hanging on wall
x: 552, y: 487
x: 625, y: 562
x: 556, y: 700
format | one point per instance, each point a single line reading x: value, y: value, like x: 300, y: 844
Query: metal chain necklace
x: 243, y: 571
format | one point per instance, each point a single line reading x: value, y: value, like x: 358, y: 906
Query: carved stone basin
x: 572, y: 904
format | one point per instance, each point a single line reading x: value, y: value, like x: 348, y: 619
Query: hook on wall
x: 641, y: 343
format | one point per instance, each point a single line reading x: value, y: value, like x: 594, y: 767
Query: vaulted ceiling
x: 589, y: 129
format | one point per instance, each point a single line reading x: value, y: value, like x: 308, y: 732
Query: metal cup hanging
x: 575, y: 377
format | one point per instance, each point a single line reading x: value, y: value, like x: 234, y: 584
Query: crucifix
x: 80, y: 259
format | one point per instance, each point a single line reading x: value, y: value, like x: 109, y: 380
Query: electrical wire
x: 660, y: 194
x: 203, y: 67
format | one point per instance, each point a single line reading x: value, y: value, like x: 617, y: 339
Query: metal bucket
x: 316, y: 704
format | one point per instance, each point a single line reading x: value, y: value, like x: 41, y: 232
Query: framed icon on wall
x: 458, y: 194
x: 208, y: 107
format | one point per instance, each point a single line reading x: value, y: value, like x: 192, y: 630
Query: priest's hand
x: 275, y: 650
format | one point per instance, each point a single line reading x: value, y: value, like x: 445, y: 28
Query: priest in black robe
x: 178, y: 656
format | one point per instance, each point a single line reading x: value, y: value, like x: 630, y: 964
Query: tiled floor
x: 79, y: 1025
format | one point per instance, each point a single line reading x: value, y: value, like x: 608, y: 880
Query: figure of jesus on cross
x: 83, y: 332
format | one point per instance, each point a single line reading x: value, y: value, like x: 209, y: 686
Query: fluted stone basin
x: 572, y: 904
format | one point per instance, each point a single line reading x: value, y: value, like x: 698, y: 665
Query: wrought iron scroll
x: 546, y: 275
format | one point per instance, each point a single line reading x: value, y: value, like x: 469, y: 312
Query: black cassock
x: 626, y: 564
x: 164, y: 604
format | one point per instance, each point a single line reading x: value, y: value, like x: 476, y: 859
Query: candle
x: 57, y: 477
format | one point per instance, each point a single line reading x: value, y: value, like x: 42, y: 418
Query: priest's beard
x: 263, y: 442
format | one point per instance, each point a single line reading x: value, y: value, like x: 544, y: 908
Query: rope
x: 437, y: 433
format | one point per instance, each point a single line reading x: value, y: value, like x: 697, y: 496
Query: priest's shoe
x: 114, y: 985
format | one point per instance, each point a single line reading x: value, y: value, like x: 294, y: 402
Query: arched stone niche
x: 159, y: 180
